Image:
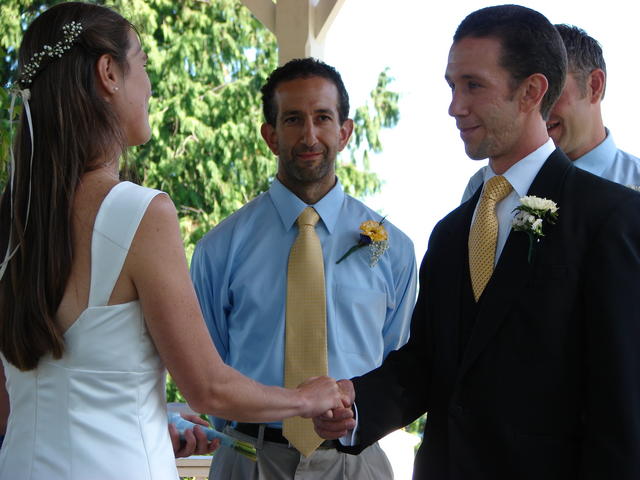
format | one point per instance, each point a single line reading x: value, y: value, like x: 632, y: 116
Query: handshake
x: 326, y: 401
x: 337, y: 420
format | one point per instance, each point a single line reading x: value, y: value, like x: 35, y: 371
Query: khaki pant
x: 278, y: 461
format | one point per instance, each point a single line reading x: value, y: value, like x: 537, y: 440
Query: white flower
x: 536, y: 226
x: 537, y: 203
x: 377, y: 249
x: 518, y: 220
x: 530, y: 216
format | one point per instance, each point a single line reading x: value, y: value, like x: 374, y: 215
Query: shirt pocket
x: 360, y: 316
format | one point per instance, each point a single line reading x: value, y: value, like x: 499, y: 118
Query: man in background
x: 575, y: 123
x: 242, y: 274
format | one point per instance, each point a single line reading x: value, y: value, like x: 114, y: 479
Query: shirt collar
x: 522, y: 173
x: 289, y: 206
x: 598, y: 159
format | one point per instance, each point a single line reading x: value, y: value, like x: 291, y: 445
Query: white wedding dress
x: 99, y: 412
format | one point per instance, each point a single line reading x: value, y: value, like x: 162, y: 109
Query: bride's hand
x: 321, y: 395
x: 195, y: 440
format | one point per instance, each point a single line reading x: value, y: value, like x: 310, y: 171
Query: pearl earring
x: 115, y: 89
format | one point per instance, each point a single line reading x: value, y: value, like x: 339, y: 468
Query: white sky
x: 424, y: 167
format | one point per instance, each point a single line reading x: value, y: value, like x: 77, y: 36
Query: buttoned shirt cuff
x: 351, y: 438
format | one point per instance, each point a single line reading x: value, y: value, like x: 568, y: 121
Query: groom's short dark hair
x: 530, y: 44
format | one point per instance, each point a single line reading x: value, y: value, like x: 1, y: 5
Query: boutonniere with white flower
x: 373, y: 235
x: 634, y: 187
x: 532, y: 213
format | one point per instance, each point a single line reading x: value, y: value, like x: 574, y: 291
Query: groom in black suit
x: 534, y: 371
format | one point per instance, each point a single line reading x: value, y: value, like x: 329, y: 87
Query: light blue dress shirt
x: 605, y: 161
x: 239, y: 270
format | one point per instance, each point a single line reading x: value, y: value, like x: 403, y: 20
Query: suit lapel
x: 513, y: 270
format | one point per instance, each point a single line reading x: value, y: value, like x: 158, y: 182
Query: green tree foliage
x: 207, y: 62
x: 417, y: 428
x: 380, y: 112
x: 4, y: 136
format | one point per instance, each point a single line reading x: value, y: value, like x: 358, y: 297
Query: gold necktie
x: 306, y: 325
x: 483, y: 236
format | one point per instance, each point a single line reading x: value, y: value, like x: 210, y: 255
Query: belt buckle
x: 260, y: 439
x: 328, y: 445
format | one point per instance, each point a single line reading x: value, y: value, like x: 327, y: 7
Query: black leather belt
x: 272, y: 434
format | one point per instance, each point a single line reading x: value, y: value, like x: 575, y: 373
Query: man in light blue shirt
x: 575, y: 123
x: 239, y: 271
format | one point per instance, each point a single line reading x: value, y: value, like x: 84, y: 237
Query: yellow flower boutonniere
x: 373, y: 235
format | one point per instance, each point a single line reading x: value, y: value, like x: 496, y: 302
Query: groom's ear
x: 270, y: 136
x: 532, y: 90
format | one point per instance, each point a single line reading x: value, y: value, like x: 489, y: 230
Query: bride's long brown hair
x: 73, y: 126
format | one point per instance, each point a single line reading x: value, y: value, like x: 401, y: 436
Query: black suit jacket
x: 545, y: 384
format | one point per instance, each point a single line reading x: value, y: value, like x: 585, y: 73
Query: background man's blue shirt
x: 239, y: 272
x: 605, y: 161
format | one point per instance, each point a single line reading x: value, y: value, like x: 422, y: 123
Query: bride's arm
x: 157, y: 266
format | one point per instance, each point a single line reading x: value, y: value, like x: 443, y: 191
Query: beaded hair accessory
x: 71, y: 32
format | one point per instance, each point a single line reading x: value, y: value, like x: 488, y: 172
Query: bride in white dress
x: 95, y: 295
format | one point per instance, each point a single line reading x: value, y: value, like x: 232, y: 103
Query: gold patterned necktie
x: 483, y: 236
x: 306, y: 325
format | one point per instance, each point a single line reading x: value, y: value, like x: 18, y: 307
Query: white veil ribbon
x: 26, y: 95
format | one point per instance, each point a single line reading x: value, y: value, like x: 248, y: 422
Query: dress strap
x: 116, y: 224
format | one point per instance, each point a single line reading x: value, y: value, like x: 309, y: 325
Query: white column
x: 300, y: 26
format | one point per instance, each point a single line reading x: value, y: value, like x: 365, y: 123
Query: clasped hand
x: 337, y: 421
x: 322, y: 396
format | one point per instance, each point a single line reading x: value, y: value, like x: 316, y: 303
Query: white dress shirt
x: 520, y: 176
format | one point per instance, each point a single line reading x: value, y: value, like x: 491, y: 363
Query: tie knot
x: 308, y: 217
x: 497, y: 188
